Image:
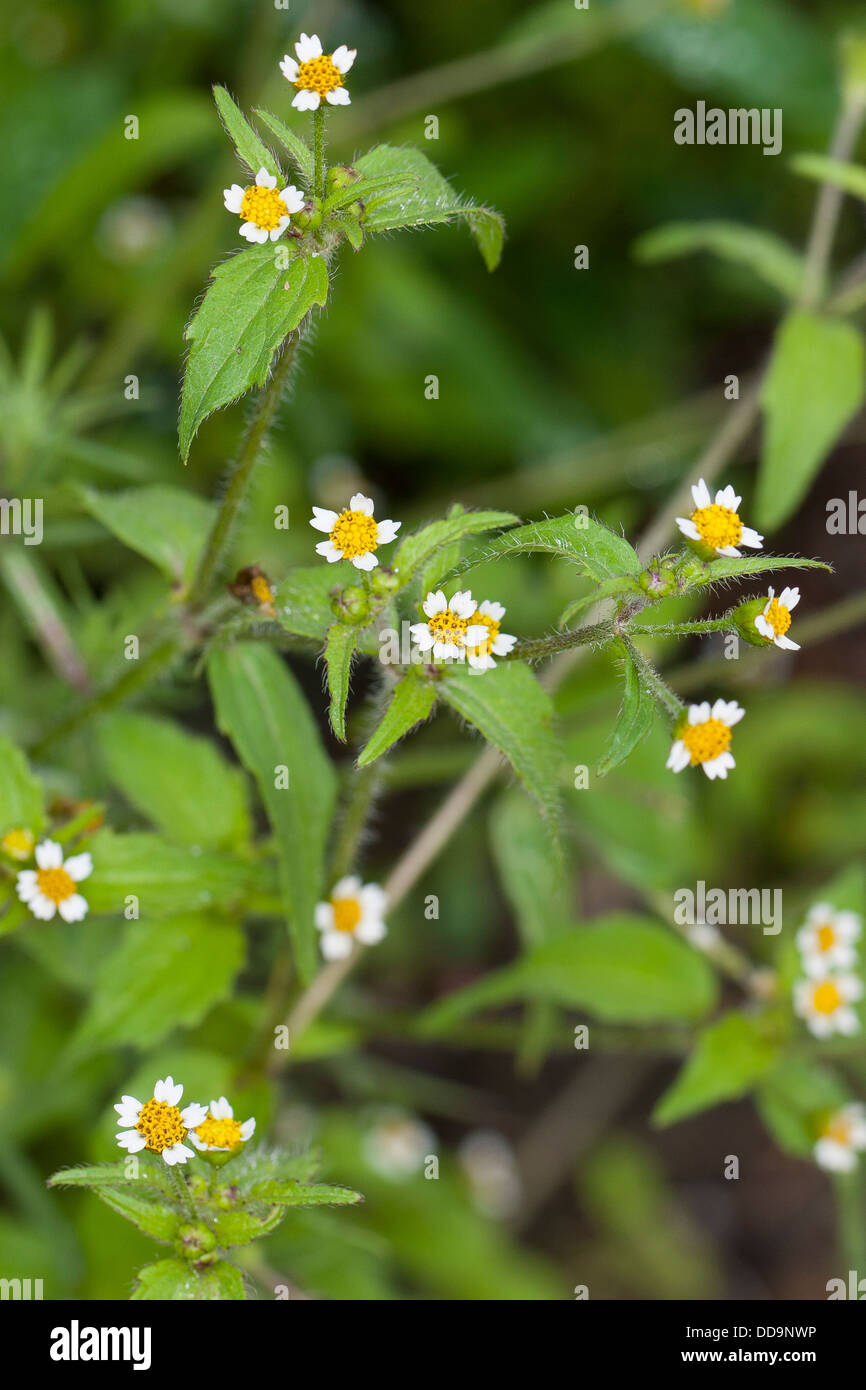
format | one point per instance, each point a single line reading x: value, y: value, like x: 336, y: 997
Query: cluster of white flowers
x: 161, y: 1127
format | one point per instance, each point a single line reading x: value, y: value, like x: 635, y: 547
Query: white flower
x: 706, y: 738
x: 158, y: 1125
x: 266, y: 212
x: 219, y: 1131
x: 825, y: 1004
x: 397, y: 1144
x: 826, y: 940
x: 495, y: 643
x: 50, y: 887
x: 354, y: 912
x: 448, y: 631
x: 842, y: 1138
x: 775, y: 620
x: 316, y: 74
x: 490, y: 1164
x: 353, y: 534
x: 717, y: 524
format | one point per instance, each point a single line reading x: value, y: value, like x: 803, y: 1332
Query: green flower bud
x: 659, y: 579
x: 195, y: 1241
x: 340, y: 176
x: 351, y: 605
x: 226, y: 1196
x: 310, y: 218
x: 744, y: 619
x: 384, y: 581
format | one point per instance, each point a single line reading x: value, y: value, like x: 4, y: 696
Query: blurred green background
x: 556, y: 387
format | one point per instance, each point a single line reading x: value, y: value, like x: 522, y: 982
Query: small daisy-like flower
x: 397, y: 1144
x: 265, y: 212
x: 219, y: 1131
x: 826, y: 940
x: 843, y: 1136
x: 158, y: 1125
x: 353, y: 912
x: 252, y: 586
x: 775, y: 620
x: 705, y: 738
x: 317, y: 75
x: 490, y: 1164
x: 452, y: 627
x: 51, y: 886
x: 717, y: 525
x: 824, y: 1003
x: 495, y: 643
x: 353, y: 534
x: 18, y: 843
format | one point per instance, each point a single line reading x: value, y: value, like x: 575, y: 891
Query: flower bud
x: 659, y: 579
x: 195, y: 1240
x: 744, y: 619
x: 351, y: 605
x: 384, y: 580
x: 340, y: 176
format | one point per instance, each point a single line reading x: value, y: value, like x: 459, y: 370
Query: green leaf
x: 411, y: 702
x: 177, y: 1280
x: 21, y: 802
x: 301, y: 1194
x: 256, y: 1165
x: 531, y: 869
x: 621, y: 969
x: 166, y: 525
x: 250, y: 149
x: 251, y: 305
x: 164, y: 975
x: 261, y: 709
x: 608, y: 589
x: 242, y: 1227
x: 351, y: 229
x: 297, y: 148
x: 729, y: 567
x: 153, y: 1218
x: 92, y: 1175
x: 851, y: 178
x: 303, y: 600
x: 635, y: 719
x: 728, y: 1059
x: 514, y: 713
x: 418, y: 549
x: 425, y: 199
x: 340, y: 647
x: 178, y: 781
x: 792, y: 1100
x: 771, y: 259
x: 598, y: 551
x: 167, y: 879
x: 361, y: 190
x: 814, y: 385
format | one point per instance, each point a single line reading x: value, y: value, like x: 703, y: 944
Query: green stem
x: 364, y: 785
x: 725, y: 624
x: 595, y: 634
x: 263, y: 415
x: 649, y: 676
x: 319, y: 152
x: 851, y: 1232
x: 183, y: 1193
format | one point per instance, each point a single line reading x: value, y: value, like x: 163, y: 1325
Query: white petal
x: 250, y: 232
x: 306, y: 101
x: 374, y: 900
x: 726, y: 497
x: 308, y: 46
x: 324, y: 917
x: 193, y: 1114
x: 338, y: 97
x: 293, y: 198
x: 277, y: 232
x: 343, y: 58
x: 233, y: 197
x: 463, y: 604
x: 49, y: 855
x: 764, y: 628
x: 131, y: 1140
x: 367, y: 561
x: 79, y: 867
x: 422, y: 636
x: 330, y: 552
x: 73, y: 908
x: 347, y: 887
x: 264, y: 179
x: 751, y: 538
x: 492, y: 610
x: 789, y: 598
x: 289, y: 68
x: 835, y: 1157
x: 701, y: 494
x: 359, y: 503
x: 503, y: 643
x: 26, y: 885
x: 336, y: 945
x: 699, y: 714
x: 248, y: 1129
x: 679, y: 756
x: 386, y: 531
x: 475, y: 634
x: 324, y: 520
x: 445, y: 651
x: 42, y: 908
x: 730, y: 551
x: 221, y: 1110
x: 370, y: 933
x: 847, y: 1022
x: 688, y: 528
x: 434, y: 603
x: 481, y: 663
x: 199, y: 1143
x: 786, y: 644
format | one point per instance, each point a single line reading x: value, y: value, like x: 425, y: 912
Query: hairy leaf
x: 411, y: 702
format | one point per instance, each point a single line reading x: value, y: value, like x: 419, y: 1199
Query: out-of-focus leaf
x: 411, y: 702
x: 303, y: 1194
x: 815, y: 384
x: 260, y: 708
x: 174, y: 1280
x: 851, y: 178
x: 418, y: 549
x: 297, y: 148
x: 241, y: 1227
x: 166, y: 525
x: 178, y: 781
x: 531, y: 868
x: 303, y: 600
x: 794, y: 1098
x: 250, y: 149
x: 166, y: 879
x: 20, y: 792
x: 771, y: 259
x: 633, y: 723
x: 153, y: 1218
x: 728, y: 1059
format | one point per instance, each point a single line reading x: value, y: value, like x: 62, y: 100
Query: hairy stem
x: 598, y: 634
x: 184, y: 1196
x: 319, y: 157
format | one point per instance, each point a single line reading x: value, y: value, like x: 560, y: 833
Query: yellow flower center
x: 826, y: 998
x: 18, y: 843
x: 221, y: 1134
x: 262, y: 590
x: 264, y: 206
x: 354, y: 533
x: 161, y: 1125
x: 447, y: 627
x: 706, y: 741
x: 826, y: 938
x: 778, y: 617
x: 347, y: 913
x: 319, y: 75
x: 55, y: 884
x: 718, y: 526
x: 483, y: 648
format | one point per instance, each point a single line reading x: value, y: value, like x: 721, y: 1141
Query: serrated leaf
x: 21, y: 800
x: 621, y: 969
x: 167, y: 525
x: 241, y: 1227
x: 427, y: 198
x: 292, y: 142
x: 178, y: 781
x: 92, y: 1175
x: 418, y: 549
x: 770, y: 258
x: 635, y: 719
x: 303, y: 600
x: 301, y: 1194
x: 257, y: 1165
x: 177, y: 1280
x: 729, y: 567
x: 411, y: 702
x: 167, y: 879
x: 251, y: 151
x: 261, y: 709
x: 728, y: 1059
x: 514, y: 713
x: 351, y: 229
x: 609, y: 588
x: 251, y: 305
x: 598, y: 551
x: 360, y: 190
x: 153, y: 1218
x: 531, y: 869
x: 340, y: 645
x: 164, y: 975
x: 814, y: 386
